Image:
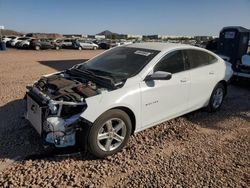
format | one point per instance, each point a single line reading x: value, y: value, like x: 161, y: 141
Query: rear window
x: 197, y: 58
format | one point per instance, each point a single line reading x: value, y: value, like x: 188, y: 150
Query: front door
x: 164, y: 99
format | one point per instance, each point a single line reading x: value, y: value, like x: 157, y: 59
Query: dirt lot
x: 197, y: 150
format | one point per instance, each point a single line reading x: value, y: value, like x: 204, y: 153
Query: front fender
x: 124, y: 97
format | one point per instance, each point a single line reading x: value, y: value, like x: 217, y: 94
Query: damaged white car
x: 98, y: 104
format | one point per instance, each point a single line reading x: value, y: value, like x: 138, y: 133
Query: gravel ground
x: 199, y: 149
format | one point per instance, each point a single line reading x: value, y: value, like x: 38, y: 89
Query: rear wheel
x: 94, y: 48
x: 79, y: 48
x: 216, y: 98
x: 110, y: 133
x: 57, y: 48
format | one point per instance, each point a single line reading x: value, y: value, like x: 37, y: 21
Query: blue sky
x: 176, y: 17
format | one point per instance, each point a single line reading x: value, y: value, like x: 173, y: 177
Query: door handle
x: 211, y: 72
x: 183, y: 80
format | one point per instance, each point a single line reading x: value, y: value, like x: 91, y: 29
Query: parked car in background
x: 77, y: 44
x: 17, y: 39
x: 66, y: 43
x: 105, y: 45
x: 8, y: 38
x: 25, y: 44
x: 98, y: 104
x: 85, y: 44
x: 39, y: 44
x: 69, y: 43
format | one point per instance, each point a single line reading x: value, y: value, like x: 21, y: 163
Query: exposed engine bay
x: 55, y: 103
x: 59, y: 87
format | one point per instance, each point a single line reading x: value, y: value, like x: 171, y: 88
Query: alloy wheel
x: 217, y: 98
x: 111, y: 134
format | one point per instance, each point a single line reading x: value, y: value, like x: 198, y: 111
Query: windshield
x: 120, y: 61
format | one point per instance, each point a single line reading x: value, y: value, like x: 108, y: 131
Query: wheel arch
x: 130, y: 114
x: 224, y: 83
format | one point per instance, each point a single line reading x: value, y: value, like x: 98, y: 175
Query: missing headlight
x: 69, y: 110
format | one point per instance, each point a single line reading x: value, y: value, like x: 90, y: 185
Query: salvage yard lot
x: 199, y: 149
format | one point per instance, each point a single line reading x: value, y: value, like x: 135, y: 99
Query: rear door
x: 202, y: 70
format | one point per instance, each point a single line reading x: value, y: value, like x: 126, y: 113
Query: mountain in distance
x: 11, y: 32
x: 107, y: 33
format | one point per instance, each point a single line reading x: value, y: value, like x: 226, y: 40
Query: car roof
x: 160, y: 46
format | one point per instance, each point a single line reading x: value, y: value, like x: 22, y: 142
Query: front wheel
x: 216, y: 98
x: 109, y: 133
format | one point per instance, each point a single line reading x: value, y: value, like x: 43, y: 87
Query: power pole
x: 1, y: 27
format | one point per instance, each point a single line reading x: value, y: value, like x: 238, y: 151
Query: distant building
x: 122, y: 36
x: 203, y: 38
x: 96, y: 36
x: 100, y: 37
x: 151, y: 37
x: 131, y: 36
x: 75, y: 36
x: 175, y: 37
x: 91, y: 36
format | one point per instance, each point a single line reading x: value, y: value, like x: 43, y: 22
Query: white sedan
x: 84, y: 44
x: 18, y: 39
x: 98, y: 104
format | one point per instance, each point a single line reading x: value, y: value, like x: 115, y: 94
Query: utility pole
x: 1, y: 27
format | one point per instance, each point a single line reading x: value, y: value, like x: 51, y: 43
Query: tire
x: 108, y: 142
x: 94, y: 48
x: 57, y: 48
x: 37, y: 48
x: 79, y: 48
x: 216, y: 98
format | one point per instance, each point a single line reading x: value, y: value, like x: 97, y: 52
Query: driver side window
x: 172, y: 62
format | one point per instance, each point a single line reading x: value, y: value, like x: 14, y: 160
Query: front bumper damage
x: 54, y: 127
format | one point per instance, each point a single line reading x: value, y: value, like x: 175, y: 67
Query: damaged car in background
x: 98, y: 104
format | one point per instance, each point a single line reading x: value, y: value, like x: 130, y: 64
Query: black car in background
x: 39, y: 44
x: 104, y: 45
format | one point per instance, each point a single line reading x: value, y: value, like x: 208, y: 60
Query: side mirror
x: 159, y: 75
